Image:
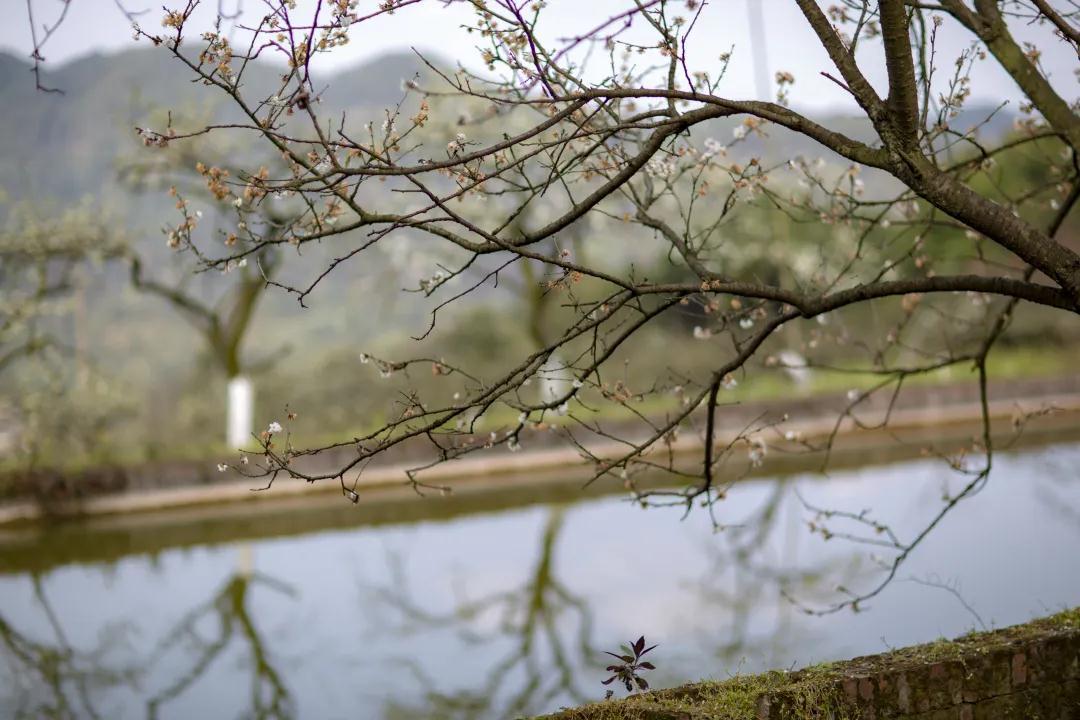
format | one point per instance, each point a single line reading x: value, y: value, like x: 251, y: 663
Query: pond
x: 499, y: 611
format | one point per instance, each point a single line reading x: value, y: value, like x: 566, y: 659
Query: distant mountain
x: 65, y: 146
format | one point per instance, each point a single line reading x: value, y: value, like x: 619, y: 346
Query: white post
x: 795, y: 366
x: 240, y: 412
x: 554, y: 378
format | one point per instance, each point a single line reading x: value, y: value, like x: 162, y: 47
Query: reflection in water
x: 50, y: 678
x: 57, y: 681
x: 229, y: 607
x: 502, y: 614
x: 1059, y: 478
x: 743, y: 577
x: 549, y: 627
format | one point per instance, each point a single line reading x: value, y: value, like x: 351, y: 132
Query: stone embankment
x: 1026, y: 672
x: 943, y: 417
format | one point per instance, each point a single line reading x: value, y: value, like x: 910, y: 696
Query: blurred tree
x: 223, y: 317
x: 45, y: 255
x: 41, y: 253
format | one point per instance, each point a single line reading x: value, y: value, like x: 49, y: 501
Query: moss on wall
x: 1027, y: 672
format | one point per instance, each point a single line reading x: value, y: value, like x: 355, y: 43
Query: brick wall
x: 1027, y: 672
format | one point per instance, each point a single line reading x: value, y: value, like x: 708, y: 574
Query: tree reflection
x: 1056, y: 488
x: 549, y: 629
x: 229, y: 606
x: 752, y: 567
x: 53, y: 679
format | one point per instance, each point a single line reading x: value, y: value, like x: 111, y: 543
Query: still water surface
x: 496, y: 614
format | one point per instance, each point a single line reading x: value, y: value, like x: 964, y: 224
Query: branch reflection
x: 751, y: 566
x: 230, y: 607
x: 549, y: 629
x: 53, y: 679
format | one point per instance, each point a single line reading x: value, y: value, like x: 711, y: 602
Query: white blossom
x: 713, y: 147
x: 231, y: 265
x: 274, y: 427
x: 757, y: 452
x: 661, y: 168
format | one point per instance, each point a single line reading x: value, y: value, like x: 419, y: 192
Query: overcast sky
x: 97, y: 26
